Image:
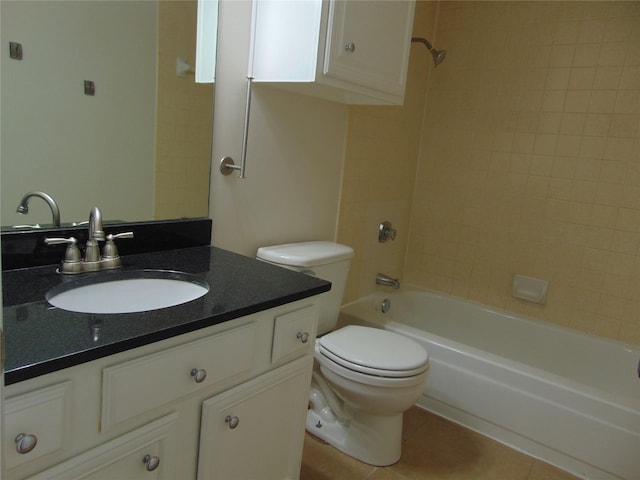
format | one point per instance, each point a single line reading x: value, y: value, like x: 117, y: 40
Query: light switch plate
x: 15, y: 50
x: 89, y: 88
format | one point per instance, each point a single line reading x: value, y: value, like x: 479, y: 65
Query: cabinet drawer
x: 44, y: 414
x: 140, y: 385
x: 294, y: 334
x: 145, y: 453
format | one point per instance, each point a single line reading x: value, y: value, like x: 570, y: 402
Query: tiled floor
x: 433, y: 448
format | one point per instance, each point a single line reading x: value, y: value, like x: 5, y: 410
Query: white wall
x: 82, y: 150
x: 295, y: 153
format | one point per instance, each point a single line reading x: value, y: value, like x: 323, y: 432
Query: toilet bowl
x: 364, y: 378
x: 375, y: 377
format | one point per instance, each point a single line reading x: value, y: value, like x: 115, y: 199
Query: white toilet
x: 364, y: 378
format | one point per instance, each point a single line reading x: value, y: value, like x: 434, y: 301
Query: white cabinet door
x: 368, y: 43
x: 256, y: 430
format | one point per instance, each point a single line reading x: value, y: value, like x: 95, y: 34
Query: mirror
x: 100, y: 107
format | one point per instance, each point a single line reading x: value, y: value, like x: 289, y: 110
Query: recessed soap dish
x: 530, y: 289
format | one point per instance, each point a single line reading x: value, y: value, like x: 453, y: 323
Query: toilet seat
x: 373, y: 351
x: 330, y: 368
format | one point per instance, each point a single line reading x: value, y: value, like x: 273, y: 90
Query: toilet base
x: 372, y: 439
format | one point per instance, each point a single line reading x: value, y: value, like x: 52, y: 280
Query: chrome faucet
x: 23, y: 206
x: 387, y: 281
x: 92, y: 253
x: 95, y: 224
x: 92, y: 261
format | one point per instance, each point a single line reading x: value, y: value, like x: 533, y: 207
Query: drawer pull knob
x: 152, y: 462
x: 199, y: 374
x: 350, y: 47
x: 232, y: 421
x: 303, y: 336
x: 25, y: 442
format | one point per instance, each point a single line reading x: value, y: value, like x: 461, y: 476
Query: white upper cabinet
x: 350, y: 51
x: 207, y: 41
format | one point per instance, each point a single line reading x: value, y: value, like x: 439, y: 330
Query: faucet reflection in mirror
x: 23, y: 206
x: 73, y: 263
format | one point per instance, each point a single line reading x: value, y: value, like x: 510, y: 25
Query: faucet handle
x: 58, y: 241
x: 112, y: 236
x: 386, y: 232
x: 110, y: 250
x: 72, y: 255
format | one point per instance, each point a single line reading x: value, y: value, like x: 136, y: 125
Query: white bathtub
x: 568, y: 398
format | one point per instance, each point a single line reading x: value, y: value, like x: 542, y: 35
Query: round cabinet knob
x: 350, y: 47
x: 25, y: 442
x: 233, y: 422
x: 199, y: 374
x: 152, y: 462
x: 303, y: 336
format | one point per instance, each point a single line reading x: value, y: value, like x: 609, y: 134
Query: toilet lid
x: 374, y: 351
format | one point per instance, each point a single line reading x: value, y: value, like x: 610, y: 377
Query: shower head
x: 438, y: 55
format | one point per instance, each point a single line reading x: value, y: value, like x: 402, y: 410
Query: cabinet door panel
x: 368, y: 43
x: 267, y: 441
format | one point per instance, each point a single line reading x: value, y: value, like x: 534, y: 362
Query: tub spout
x: 387, y: 281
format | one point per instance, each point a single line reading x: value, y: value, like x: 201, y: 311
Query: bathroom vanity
x: 214, y: 388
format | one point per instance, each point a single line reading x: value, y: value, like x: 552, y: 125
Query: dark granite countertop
x: 41, y: 339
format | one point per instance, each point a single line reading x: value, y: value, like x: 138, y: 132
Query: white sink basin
x: 127, y: 292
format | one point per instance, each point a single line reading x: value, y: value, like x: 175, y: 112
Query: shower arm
x: 422, y: 40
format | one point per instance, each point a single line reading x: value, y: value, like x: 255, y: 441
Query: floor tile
x: 385, y: 474
x: 443, y: 450
x: 544, y: 471
x: 323, y: 462
x: 432, y: 448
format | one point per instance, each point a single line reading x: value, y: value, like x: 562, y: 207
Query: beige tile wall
x: 183, y: 130
x: 528, y: 162
x: 531, y: 161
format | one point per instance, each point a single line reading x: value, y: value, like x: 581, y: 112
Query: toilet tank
x: 326, y: 260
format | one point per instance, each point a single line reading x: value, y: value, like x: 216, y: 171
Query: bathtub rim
x: 409, y: 287
x: 625, y: 402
